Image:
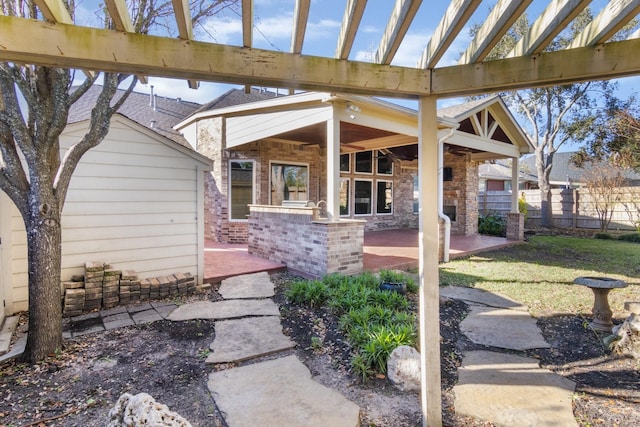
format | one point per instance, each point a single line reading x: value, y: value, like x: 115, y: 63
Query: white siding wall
x: 133, y: 202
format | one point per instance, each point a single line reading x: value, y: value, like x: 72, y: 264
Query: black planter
x: 400, y: 288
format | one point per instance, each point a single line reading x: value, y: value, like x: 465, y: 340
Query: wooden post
x: 431, y: 394
x: 333, y: 168
x: 515, y: 166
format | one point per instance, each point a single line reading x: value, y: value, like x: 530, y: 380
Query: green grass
x: 540, y: 273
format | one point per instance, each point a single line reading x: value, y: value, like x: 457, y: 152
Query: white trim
x: 392, y: 198
x: 285, y: 163
x: 253, y: 187
x: 372, y: 199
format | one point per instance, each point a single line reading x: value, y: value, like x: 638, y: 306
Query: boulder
x: 626, y: 337
x: 403, y: 368
x: 142, y: 410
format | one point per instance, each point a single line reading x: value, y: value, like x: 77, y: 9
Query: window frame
x: 348, y: 181
x: 355, y: 163
x: 387, y: 181
x: 286, y: 163
x: 371, y: 197
x: 230, y: 188
x: 380, y: 153
x: 348, y: 170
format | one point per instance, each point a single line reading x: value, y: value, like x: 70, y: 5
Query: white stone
x: 403, y: 368
x: 142, y: 410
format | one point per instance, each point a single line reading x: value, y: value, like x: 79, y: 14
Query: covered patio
x: 383, y: 249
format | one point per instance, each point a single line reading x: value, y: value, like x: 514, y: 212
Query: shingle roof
x: 137, y: 107
x: 562, y: 169
x: 236, y: 97
x: 499, y: 170
x: 455, y: 111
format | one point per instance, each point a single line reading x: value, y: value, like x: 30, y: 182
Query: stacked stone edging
x: 103, y: 287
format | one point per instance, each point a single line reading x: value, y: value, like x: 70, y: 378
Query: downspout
x: 441, y: 215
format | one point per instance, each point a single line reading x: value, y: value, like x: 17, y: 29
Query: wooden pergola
x: 55, y: 41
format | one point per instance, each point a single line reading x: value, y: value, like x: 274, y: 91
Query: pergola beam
x: 403, y: 13
x: 82, y: 47
x: 608, y: 22
x: 350, y: 22
x: 300, y: 18
x: 185, y: 27
x: 549, y: 24
x: 500, y: 19
x: 122, y: 21
x: 54, y: 11
x: 611, y: 60
x: 454, y: 19
x: 72, y: 46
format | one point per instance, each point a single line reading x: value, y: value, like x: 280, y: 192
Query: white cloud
x: 223, y: 30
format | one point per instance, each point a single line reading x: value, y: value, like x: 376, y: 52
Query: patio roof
x: 485, y: 128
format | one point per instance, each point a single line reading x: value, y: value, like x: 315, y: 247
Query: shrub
x: 630, y: 237
x: 603, y: 236
x: 389, y: 276
x: 492, y: 225
x: 313, y: 293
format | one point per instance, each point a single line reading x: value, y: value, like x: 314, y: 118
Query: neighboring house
x: 497, y: 176
x: 278, y: 151
x: 135, y: 201
x: 564, y: 174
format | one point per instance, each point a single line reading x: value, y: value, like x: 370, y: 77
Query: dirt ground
x: 80, y: 385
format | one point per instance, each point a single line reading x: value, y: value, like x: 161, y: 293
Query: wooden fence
x: 571, y: 208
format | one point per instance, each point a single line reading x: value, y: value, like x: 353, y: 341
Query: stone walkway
x: 500, y: 387
x: 504, y: 388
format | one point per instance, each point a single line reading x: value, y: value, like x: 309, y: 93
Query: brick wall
x: 462, y: 192
x: 292, y: 236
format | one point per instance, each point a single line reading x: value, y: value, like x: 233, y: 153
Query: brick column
x: 515, y: 226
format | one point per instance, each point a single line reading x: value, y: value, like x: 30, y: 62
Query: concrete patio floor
x: 384, y: 249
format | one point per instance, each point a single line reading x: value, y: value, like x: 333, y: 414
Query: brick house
x: 281, y: 152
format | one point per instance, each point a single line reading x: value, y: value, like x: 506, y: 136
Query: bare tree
x: 604, y: 180
x: 32, y: 172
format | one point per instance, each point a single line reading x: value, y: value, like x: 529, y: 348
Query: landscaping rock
x: 626, y: 337
x: 142, y: 410
x: 403, y: 368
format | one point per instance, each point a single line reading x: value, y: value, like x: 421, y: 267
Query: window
x: 344, y: 197
x: 288, y: 182
x: 416, y: 195
x: 345, y: 162
x: 385, y: 164
x: 362, y: 197
x: 447, y: 174
x: 241, y: 189
x: 364, y: 162
x: 450, y: 211
x: 384, y: 197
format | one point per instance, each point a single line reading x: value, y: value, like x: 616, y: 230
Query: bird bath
x: 601, y: 286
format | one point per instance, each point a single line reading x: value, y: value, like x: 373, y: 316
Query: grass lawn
x: 540, y: 273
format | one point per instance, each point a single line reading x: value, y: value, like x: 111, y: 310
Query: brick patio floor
x: 384, y: 249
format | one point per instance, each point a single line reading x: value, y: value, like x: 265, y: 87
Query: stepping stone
x: 147, y: 316
x: 257, y: 285
x: 279, y: 392
x: 6, y: 333
x: 224, y: 309
x: 118, y: 320
x: 512, y: 390
x: 511, y: 329
x: 480, y: 296
x: 243, y: 339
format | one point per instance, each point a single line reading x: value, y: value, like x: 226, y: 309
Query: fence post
x: 575, y: 208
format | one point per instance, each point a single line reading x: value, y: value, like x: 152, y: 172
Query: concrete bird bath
x: 601, y: 286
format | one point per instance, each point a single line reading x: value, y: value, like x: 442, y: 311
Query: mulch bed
x: 79, y: 386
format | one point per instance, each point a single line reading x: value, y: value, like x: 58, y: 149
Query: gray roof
x: 236, y: 97
x: 137, y: 107
x: 458, y: 110
x: 501, y: 171
x: 562, y: 169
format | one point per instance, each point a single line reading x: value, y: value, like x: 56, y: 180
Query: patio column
x: 333, y: 167
x: 515, y: 179
x: 431, y: 395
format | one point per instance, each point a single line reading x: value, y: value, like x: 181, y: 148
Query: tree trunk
x: 45, y: 308
x: 546, y: 214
